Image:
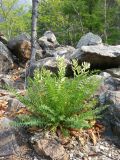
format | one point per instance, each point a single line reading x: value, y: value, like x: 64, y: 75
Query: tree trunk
x: 34, y: 30
x: 105, y: 17
x: 33, y: 41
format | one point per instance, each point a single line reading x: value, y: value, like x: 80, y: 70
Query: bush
x: 57, y: 101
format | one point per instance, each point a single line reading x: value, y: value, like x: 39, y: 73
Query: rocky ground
x: 18, y: 144
x: 14, y: 142
x: 102, y: 142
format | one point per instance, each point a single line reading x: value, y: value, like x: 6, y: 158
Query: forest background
x: 68, y: 19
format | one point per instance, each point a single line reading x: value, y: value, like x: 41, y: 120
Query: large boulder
x: 6, y: 62
x: 14, y: 142
x: 49, y: 63
x: 21, y: 47
x: 99, y: 56
x: 12, y: 43
x: 109, y: 89
x: 65, y: 51
x: 89, y: 39
x: 48, y: 41
x: 110, y: 96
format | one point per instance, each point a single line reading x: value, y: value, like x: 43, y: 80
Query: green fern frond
x: 55, y: 100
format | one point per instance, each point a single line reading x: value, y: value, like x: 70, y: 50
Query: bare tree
x: 33, y: 41
x: 105, y: 20
x: 34, y: 30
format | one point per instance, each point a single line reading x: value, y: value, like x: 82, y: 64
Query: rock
x: 14, y: 105
x: 14, y: 142
x: 39, y: 53
x: 105, y: 75
x: 49, y: 63
x: 110, y: 96
x: 3, y: 39
x: 65, y: 51
x: 6, y: 61
x: 89, y: 39
x: 51, y: 37
x: 6, y: 82
x: 115, y: 72
x: 117, y: 83
x: 51, y: 148
x: 110, y: 83
x: 109, y: 87
x: 99, y: 56
x: 114, y: 97
x: 44, y: 43
x: 114, y: 111
x: 21, y: 47
x: 48, y: 41
x: 21, y: 37
x: 8, y: 144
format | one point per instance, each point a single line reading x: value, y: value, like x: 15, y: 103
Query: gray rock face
x: 99, y: 56
x: 89, y: 39
x: 6, y: 62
